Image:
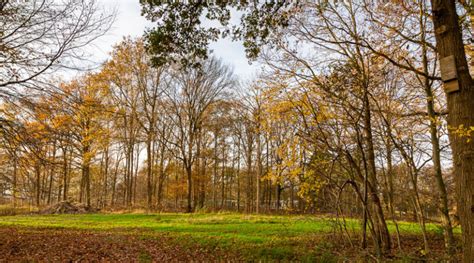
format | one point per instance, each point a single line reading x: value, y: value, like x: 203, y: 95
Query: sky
x: 129, y: 22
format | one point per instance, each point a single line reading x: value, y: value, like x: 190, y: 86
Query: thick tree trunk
x: 460, y: 115
x: 436, y: 156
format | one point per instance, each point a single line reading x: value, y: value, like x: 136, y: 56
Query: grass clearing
x: 248, y: 236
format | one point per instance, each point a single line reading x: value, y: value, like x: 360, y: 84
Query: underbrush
x: 9, y: 210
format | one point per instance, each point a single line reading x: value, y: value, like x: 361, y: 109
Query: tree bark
x: 460, y: 114
x: 436, y: 151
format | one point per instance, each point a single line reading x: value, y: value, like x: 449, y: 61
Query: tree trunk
x: 238, y: 176
x: 223, y: 176
x: 106, y: 176
x: 259, y: 169
x: 380, y: 224
x: 198, y: 180
x: 126, y: 176
x: 202, y: 192
x: 436, y: 155
x: 114, y: 182
x: 149, y: 169
x: 86, y: 173
x: 278, y: 196
x: 390, y: 189
x: 162, y: 175
x: 214, y: 176
x: 460, y: 114
x: 248, y: 201
x: 65, y: 174
x: 443, y: 196
x: 38, y: 183
x: 189, y: 208
x: 417, y: 205
x: 135, y: 173
x: 14, y: 180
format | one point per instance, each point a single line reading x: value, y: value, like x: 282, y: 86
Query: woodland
x: 352, y: 143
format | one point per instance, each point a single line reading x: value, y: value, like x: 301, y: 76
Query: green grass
x: 253, y: 236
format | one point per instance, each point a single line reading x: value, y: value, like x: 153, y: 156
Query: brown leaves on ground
x: 133, y: 245
x: 60, y: 245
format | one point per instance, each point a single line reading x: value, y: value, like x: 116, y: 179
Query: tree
x: 180, y: 36
x: 414, y: 31
x: 39, y: 36
x: 347, y: 118
x: 123, y: 87
x: 130, y: 64
x: 449, y: 44
x: 88, y: 112
x: 193, y: 92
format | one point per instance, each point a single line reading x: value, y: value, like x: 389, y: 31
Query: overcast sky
x: 129, y: 22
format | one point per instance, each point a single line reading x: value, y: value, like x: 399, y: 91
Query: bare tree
x: 41, y: 36
x: 194, y: 91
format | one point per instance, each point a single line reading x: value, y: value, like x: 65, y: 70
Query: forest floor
x: 199, y: 237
